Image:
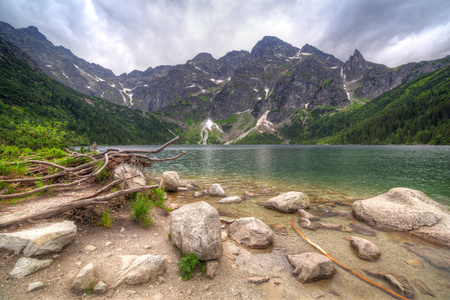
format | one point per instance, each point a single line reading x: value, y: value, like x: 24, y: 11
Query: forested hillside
x: 27, y: 95
x: 413, y: 113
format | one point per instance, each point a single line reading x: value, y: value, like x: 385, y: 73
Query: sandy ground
x: 237, y: 264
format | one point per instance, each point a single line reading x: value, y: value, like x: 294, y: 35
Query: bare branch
x: 82, y: 203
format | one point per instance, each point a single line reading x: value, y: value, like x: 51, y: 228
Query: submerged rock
x: 304, y: 214
x: 195, y: 228
x: 438, y: 258
x: 423, y: 288
x: 325, y: 212
x: 398, y: 282
x: 331, y: 226
x: 279, y: 229
x: 288, y: 202
x: 404, y: 209
x: 310, y: 266
x: 230, y: 200
x: 251, y: 232
x: 306, y: 223
x: 363, y: 229
x: 258, y: 279
x: 365, y: 249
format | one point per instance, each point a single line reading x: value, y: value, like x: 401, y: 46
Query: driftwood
x: 73, y: 176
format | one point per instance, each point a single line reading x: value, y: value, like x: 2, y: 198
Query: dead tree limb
x: 77, y: 204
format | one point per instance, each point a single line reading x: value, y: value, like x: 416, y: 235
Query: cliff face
x: 275, y: 78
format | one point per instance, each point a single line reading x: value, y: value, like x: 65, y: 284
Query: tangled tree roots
x: 79, y: 175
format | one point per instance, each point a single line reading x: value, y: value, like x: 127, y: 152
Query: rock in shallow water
x: 251, y: 232
x: 398, y: 282
x: 288, y: 202
x: 310, y: 266
x: 365, y: 249
x: 363, y: 229
x: 408, y: 210
x: 216, y: 190
x: 170, y: 181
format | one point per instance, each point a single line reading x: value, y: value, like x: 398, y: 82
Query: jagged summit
x: 272, y: 46
x: 309, y: 49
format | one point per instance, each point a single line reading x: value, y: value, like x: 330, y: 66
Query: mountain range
x: 268, y: 95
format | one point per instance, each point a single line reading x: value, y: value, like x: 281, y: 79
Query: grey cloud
x: 137, y: 34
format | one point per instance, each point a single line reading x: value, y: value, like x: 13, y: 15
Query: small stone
x: 90, y: 248
x: 84, y: 278
x: 122, y: 229
x: 56, y: 256
x: 35, y: 286
x: 414, y: 262
x: 211, y: 268
x: 100, y: 288
x: 216, y: 190
x: 224, y: 235
x: 108, y: 244
x: 230, y: 200
x: 78, y: 263
x: 26, y: 266
x: 258, y: 279
x: 279, y: 229
x: 147, y: 247
x: 365, y: 249
x: 189, y: 292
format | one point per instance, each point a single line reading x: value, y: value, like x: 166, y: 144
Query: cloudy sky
x: 124, y: 35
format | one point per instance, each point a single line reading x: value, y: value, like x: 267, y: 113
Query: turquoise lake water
x: 357, y: 171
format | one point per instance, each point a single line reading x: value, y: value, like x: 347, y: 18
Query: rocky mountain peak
x: 271, y: 46
x: 34, y: 32
x: 324, y: 56
x: 357, y: 56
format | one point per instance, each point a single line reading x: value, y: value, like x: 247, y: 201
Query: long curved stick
x: 362, y: 277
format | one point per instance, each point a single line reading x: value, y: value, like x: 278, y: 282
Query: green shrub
x: 187, y: 265
x: 141, y: 209
x: 105, y: 220
x: 37, y: 136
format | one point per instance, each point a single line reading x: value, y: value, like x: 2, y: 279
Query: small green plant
x: 159, y: 198
x: 2, y: 184
x: 169, y: 235
x: 39, y: 183
x: 90, y: 288
x: 103, y: 176
x: 105, y: 220
x: 187, y: 265
x: 141, y: 209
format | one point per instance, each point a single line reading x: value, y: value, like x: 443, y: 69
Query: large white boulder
x: 195, y: 228
x: 41, y: 240
x: 404, y: 209
x: 134, y: 176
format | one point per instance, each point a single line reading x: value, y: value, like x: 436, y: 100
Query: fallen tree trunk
x: 74, y: 204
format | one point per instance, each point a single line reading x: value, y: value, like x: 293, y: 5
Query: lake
x: 355, y: 170
x: 332, y: 177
